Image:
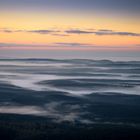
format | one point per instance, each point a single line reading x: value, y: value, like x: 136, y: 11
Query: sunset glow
x: 62, y: 27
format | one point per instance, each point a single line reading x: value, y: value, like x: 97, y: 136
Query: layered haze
x: 70, y: 89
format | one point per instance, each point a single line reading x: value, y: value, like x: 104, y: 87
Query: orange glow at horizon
x: 34, y: 21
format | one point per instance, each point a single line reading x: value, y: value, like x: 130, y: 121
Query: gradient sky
x: 81, y: 25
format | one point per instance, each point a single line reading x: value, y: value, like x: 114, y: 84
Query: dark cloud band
x: 73, y: 31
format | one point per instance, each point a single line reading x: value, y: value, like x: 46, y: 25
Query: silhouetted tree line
x: 33, y: 128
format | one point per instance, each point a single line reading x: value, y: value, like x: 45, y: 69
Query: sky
x: 107, y: 26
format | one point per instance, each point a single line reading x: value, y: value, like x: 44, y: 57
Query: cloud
x: 110, y: 32
x: 72, y: 44
x: 60, y: 34
x: 68, y: 32
x: 6, y: 30
x: 21, y: 45
x: 105, y: 30
x: 69, y: 45
x: 43, y: 31
x: 58, y: 44
x: 137, y: 45
x: 101, y: 32
x: 76, y: 31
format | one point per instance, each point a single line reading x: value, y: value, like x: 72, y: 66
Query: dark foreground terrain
x: 16, y: 127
